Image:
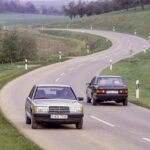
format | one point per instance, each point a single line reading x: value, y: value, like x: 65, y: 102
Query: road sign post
x: 137, y: 89
x: 135, y: 32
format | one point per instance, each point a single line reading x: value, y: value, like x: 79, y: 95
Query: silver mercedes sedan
x: 54, y: 104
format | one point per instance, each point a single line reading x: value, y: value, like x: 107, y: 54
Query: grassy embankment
x: 131, y: 69
x: 48, y: 47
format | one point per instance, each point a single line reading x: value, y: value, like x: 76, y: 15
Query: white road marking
x: 62, y: 74
x: 146, y: 139
x: 102, y: 121
x: 57, y: 79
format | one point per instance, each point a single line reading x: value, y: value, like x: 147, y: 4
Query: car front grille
x: 59, y: 109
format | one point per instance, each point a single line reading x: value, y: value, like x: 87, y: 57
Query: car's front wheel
x: 28, y: 120
x: 79, y: 125
x: 88, y: 100
x: 34, y: 124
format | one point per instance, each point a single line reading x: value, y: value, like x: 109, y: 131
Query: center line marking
x: 146, y: 139
x: 102, y: 121
x: 62, y: 74
x: 57, y: 79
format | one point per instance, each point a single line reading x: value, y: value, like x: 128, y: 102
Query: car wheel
x: 88, y: 100
x: 125, y: 102
x: 79, y: 125
x: 93, y: 101
x: 34, y: 124
x: 28, y: 120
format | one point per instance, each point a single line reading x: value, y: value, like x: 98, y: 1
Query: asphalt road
x: 106, y: 127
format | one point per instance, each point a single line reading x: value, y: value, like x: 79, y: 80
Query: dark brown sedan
x: 107, y: 88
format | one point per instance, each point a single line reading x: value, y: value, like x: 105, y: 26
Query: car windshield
x: 110, y: 81
x: 54, y: 93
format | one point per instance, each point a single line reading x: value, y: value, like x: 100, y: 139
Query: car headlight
x: 77, y: 109
x: 40, y: 109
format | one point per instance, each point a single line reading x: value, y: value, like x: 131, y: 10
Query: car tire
x: 79, y: 125
x: 93, y: 101
x: 88, y: 100
x: 28, y: 120
x: 34, y: 124
x: 125, y: 102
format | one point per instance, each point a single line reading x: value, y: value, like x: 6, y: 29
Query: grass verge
x: 132, y: 69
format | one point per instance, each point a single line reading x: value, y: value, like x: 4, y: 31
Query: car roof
x: 108, y: 76
x: 52, y: 85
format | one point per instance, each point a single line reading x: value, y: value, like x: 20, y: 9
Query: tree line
x: 82, y: 8
x: 16, y: 46
x: 28, y: 7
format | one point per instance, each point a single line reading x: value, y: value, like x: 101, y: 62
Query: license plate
x: 59, y: 116
x: 112, y: 92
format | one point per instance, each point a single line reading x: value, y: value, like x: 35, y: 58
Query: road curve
x: 106, y: 127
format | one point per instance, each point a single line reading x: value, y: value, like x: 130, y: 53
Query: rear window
x: 113, y: 81
x: 54, y: 93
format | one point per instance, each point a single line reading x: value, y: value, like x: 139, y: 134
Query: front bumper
x: 46, y: 118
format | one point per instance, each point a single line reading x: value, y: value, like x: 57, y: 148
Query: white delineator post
x: 110, y: 61
x: 144, y: 48
x: 137, y: 89
x: 26, y: 65
x: 60, y: 53
x: 91, y: 27
x: 114, y: 29
x: 135, y: 32
x: 88, y: 49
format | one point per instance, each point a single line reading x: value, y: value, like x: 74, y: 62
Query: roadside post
x: 60, y: 55
x: 114, y: 29
x: 67, y: 26
x: 110, y: 61
x: 144, y: 48
x: 42, y: 28
x: 130, y: 52
x: 135, y: 32
x: 87, y: 48
x: 26, y: 65
x: 91, y: 27
x: 137, y: 89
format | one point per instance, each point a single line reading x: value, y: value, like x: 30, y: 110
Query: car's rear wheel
x: 93, y: 101
x: 79, y: 125
x: 28, y: 120
x: 34, y: 124
x: 88, y: 100
x: 125, y: 102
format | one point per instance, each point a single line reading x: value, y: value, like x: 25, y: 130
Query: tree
x: 70, y: 10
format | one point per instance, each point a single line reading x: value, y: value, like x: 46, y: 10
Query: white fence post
x: 110, y: 61
x: 137, y: 89
x: 26, y: 65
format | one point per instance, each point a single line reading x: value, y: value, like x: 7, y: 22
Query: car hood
x: 56, y: 102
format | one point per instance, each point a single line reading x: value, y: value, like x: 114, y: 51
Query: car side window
x: 31, y: 93
x: 93, y: 81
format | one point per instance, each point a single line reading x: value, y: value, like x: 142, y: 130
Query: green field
x: 29, y: 19
x: 123, y: 21
x: 132, y: 69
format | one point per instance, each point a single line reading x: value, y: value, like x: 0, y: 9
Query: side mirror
x: 87, y: 84
x: 80, y: 98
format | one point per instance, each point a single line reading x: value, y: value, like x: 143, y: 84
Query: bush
x: 16, y: 46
